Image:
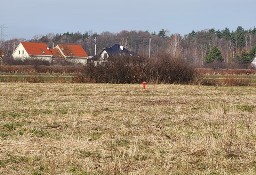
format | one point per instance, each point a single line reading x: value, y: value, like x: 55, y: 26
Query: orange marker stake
x: 144, y: 85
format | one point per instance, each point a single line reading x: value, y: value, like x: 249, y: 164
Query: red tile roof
x: 72, y: 50
x: 36, y: 48
x: 56, y: 53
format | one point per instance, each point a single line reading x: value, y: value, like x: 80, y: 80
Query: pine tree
x: 214, y: 55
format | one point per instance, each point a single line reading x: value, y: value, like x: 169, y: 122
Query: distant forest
x: 234, y: 48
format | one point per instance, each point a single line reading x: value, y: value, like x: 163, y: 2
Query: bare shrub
x: 118, y: 70
x: 166, y: 69
x: 11, y: 61
x: 162, y: 69
x: 59, y: 69
x: 41, y: 69
x: 17, y: 69
x: 216, y: 65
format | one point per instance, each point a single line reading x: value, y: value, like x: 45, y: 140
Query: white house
x: 114, y: 51
x: 30, y: 50
x: 70, y: 52
x: 253, y: 63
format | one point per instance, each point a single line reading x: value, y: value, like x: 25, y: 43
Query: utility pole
x: 95, y: 46
x: 149, y: 48
x: 2, y: 34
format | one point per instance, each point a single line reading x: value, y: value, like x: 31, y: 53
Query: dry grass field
x: 85, y: 129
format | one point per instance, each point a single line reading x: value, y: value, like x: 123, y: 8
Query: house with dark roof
x: 114, y: 51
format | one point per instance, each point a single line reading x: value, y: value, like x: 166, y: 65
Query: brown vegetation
x: 33, y: 69
x: 225, y: 71
x: 162, y: 69
x: 120, y: 129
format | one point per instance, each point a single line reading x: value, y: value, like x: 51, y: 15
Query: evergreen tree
x: 253, y: 52
x: 240, y: 37
x: 226, y: 34
x: 213, y: 55
x: 162, y: 33
x: 244, y: 58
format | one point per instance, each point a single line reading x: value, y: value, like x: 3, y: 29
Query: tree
x: 246, y: 57
x: 226, y: 34
x: 162, y: 33
x: 253, y: 51
x: 240, y: 37
x: 214, y: 55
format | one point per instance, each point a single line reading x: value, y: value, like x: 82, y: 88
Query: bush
x: 162, y: 69
x: 117, y: 70
x: 11, y: 61
x: 216, y: 65
x: 169, y: 70
x: 29, y: 69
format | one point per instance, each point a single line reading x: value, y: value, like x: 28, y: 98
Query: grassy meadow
x: 80, y: 129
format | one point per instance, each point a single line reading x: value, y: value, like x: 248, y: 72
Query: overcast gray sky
x: 27, y: 18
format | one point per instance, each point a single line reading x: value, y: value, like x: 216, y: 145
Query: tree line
x: 200, y: 48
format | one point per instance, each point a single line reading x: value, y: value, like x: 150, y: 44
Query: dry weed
x: 120, y: 129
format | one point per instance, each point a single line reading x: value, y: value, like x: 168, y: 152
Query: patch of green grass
x: 39, y: 132
x: 13, y: 159
x: 95, y: 135
x: 77, y: 170
x: 14, y: 114
x: 246, y: 108
x: 63, y: 111
x: 4, y: 135
x: 39, y: 170
x: 12, y: 126
x: 41, y: 111
x: 122, y: 142
x: 86, y: 154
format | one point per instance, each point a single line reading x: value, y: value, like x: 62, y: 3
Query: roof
x: 56, y: 53
x: 72, y: 50
x: 117, y: 49
x: 36, y: 48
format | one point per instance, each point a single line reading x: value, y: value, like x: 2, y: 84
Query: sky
x: 29, y: 18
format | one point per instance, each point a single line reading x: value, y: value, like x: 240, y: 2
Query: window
x: 19, y: 52
x: 23, y: 52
